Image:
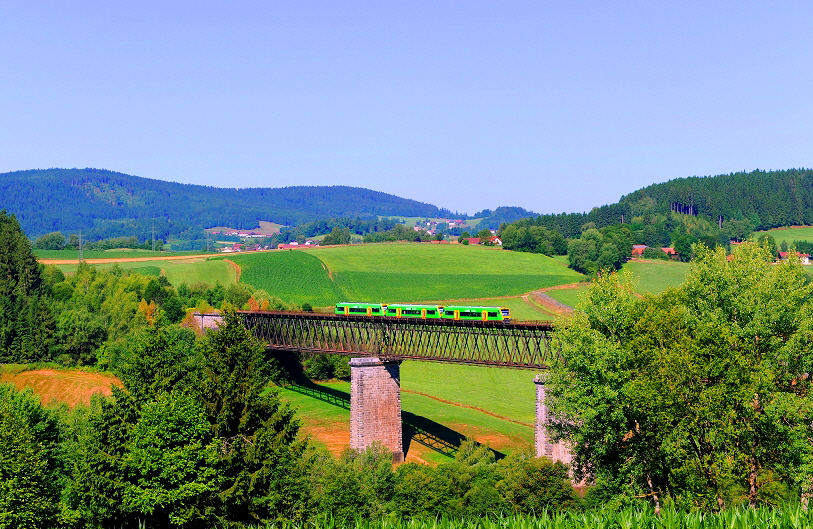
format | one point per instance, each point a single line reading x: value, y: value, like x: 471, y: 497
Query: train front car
x: 454, y: 312
x: 360, y: 309
x: 426, y: 312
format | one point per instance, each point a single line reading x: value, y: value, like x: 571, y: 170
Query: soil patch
x: 236, y: 267
x: 70, y: 387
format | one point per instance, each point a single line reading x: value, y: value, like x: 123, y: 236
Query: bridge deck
x: 516, y: 344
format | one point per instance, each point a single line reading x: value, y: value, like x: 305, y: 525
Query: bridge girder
x: 520, y: 345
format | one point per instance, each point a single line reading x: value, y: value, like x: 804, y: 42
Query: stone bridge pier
x: 542, y: 440
x: 375, y: 405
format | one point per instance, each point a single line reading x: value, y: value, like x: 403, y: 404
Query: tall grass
x: 793, y: 517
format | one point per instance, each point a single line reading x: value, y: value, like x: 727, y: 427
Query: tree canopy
x: 699, y: 394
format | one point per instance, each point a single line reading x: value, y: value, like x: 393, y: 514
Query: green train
x: 399, y: 310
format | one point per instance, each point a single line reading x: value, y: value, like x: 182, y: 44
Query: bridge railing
x: 525, y: 345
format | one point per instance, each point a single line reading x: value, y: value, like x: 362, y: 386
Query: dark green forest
x: 759, y: 199
x: 109, y: 204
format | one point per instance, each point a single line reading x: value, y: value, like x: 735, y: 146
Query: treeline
x: 593, y: 248
x: 108, y: 204
x: 760, y: 199
x: 57, y: 241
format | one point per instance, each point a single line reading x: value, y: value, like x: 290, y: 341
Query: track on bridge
x: 520, y: 344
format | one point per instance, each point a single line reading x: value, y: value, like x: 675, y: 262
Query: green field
x: 181, y: 271
x: 292, y: 275
x: 399, y: 273
x: 655, y: 276
x: 788, y: 235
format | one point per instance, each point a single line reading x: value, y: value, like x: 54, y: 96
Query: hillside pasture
x: 655, y: 275
x: 788, y: 234
x: 419, y: 272
x: 186, y: 271
x: 292, y: 275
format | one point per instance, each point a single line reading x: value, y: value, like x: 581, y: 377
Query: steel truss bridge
x: 522, y: 345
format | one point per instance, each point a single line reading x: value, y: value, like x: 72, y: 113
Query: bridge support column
x: 544, y: 447
x: 375, y: 405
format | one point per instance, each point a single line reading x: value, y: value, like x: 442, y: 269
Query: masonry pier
x: 542, y: 441
x: 375, y: 405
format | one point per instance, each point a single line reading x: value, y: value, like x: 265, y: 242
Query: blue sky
x: 552, y: 106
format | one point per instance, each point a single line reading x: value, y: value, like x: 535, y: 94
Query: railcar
x: 414, y: 311
x: 405, y: 310
x: 360, y: 309
x: 476, y: 313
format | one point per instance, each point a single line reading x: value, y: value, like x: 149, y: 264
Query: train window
x: 492, y: 314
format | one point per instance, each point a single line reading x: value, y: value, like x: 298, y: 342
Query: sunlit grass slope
x: 294, y: 276
x: 656, y: 275
x: 788, y: 235
x: 399, y: 273
x: 418, y: 272
x: 182, y: 271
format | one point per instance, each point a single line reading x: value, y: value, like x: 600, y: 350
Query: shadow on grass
x: 417, y: 428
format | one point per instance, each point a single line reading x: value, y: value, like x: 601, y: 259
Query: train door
x: 485, y: 315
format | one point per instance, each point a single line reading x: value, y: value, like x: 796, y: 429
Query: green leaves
x: 698, y: 393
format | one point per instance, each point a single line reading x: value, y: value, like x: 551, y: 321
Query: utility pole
x: 80, y: 246
x: 153, y: 236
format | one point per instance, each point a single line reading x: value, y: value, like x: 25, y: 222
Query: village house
x: 804, y: 257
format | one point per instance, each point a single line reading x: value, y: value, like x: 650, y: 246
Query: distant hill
x: 107, y: 204
x: 766, y: 199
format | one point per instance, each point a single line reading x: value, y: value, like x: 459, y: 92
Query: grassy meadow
x: 656, y: 275
x: 788, y: 235
x: 181, y: 271
x: 402, y: 273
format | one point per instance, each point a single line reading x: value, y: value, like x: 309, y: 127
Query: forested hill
x: 106, y: 203
x: 765, y: 199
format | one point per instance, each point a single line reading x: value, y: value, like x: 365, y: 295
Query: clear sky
x: 552, y: 106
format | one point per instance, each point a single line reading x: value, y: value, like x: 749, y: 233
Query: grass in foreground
x: 790, y: 517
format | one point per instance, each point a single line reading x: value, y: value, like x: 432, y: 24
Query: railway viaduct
x: 377, y: 346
